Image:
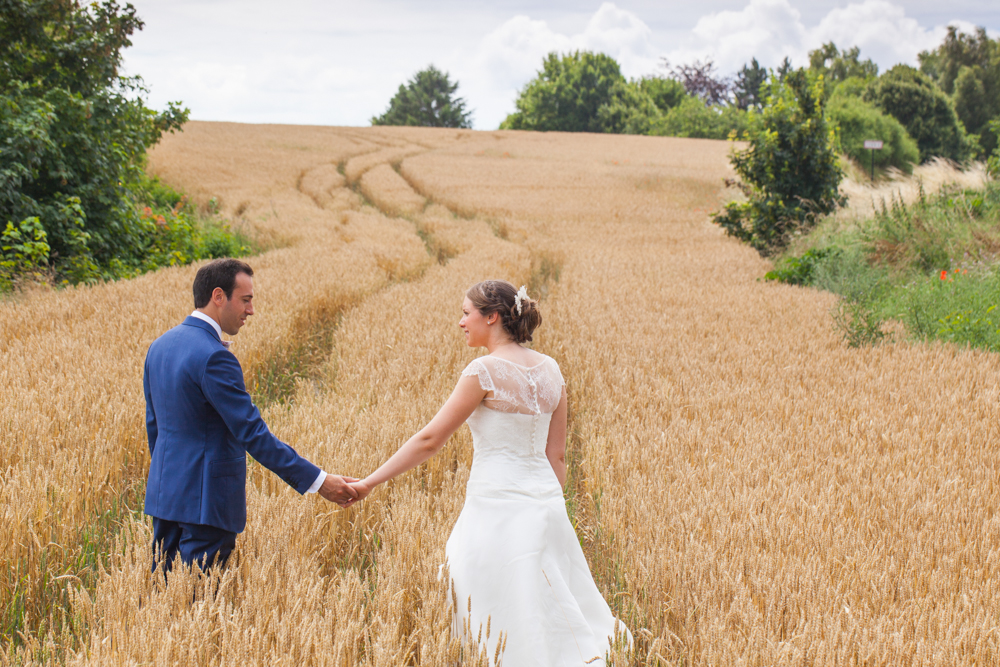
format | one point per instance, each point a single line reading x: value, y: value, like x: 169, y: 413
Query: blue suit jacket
x: 201, y: 424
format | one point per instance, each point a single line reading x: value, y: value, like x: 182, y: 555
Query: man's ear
x: 218, y: 296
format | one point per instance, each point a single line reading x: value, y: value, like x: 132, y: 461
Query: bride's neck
x: 494, y: 345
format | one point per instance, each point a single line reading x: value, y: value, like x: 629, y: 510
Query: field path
x: 747, y: 489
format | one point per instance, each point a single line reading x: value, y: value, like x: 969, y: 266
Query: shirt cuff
x: 318, y: 483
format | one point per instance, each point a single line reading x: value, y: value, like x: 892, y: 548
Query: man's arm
x: 222, y: 384
x: 151, y: 429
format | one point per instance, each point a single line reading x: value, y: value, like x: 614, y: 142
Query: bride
x: 513, y: 550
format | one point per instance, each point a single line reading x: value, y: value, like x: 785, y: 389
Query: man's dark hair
x: 217, y: 273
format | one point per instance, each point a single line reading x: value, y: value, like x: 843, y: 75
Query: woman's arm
x: 428, y: 440
x: 555, y: 447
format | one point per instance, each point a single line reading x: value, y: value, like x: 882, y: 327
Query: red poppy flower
x: 944, y: 275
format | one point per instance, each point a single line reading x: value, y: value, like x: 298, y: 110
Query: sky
x: 339, y: 63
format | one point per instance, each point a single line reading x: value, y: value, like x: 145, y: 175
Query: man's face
x: 233, y: 313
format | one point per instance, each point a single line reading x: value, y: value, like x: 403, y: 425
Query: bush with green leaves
x: 426, y: 100
x: 858, y: 121
x: 789, y: 171
x: 73, y: 136
x: 695, y: 119
x: 926, y: 112
x: 665, y: 92
x: 993, y: 162
x: 801, y: 270
x: 582, y: 92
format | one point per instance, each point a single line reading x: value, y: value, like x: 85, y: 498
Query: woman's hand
x: 362, y: 488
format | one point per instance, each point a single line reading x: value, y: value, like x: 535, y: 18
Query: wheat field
x: 748, y: 490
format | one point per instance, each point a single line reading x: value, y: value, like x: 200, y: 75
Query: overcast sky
x: 337, y: 63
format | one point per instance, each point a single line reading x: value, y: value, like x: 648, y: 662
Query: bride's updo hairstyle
x: 498, y: 296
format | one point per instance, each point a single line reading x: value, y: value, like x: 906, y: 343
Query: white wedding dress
x: 513, y: 551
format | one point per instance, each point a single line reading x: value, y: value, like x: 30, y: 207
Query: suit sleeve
x: 222, y: 385
x: 151, y: 429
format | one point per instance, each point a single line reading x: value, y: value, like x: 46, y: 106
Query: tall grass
x: 930, y: 262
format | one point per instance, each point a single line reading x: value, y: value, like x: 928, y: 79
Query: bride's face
x: 475, y: 325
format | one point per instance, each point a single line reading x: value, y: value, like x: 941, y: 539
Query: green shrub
x: 73, y: 136
x: 802, y: 270
x: 859, y: 121
x: 177, y: 235
x: 24, y: 252
x: 789, y: 171
x: 630, y: 111
x: 924, y: 110
x: 666, y: 93
x: 993, y: 162
x: 693, y: 118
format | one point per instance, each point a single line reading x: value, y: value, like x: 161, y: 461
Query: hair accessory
x: 522, y: 295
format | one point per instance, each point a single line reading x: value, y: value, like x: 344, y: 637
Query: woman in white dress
x: 513, y: 551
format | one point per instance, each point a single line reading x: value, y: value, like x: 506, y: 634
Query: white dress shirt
x: 218, y: 330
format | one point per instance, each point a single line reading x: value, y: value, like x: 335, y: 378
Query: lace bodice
x: 526, y: 390
x: 510, y: 429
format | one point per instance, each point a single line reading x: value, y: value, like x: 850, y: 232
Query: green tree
x: 746, y: 88
x: 73, y: 136
x: 582, y: 92
x: 973, y: 103
x: 924, y: 110
x: 789, y: 170
x: 836, y: 65
x: 426, y: 100
x: 967, y: 67
x: 958, y: 50
x: 858, y: 121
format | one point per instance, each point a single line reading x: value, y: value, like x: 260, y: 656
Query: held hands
x: 337, y: 489
x: 360, y: 487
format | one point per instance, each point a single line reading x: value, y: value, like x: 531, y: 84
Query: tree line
x: 944, y: 108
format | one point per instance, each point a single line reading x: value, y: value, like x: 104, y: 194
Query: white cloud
x: 766, y: 29
x: 880, y: 29
x: 511, y: 55
x: 772, y: 29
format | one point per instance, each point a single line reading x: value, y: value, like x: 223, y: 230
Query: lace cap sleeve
x: 478, y: 368
x: 556, y: 373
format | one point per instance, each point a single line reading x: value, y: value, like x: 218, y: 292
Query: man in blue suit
x: 201, y: 424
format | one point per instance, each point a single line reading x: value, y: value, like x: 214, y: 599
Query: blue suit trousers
x: 206, y: 545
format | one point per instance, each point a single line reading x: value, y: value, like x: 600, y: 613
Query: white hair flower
x: 522, y: 295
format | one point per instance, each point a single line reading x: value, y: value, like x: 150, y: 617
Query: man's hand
x: 337, y: 489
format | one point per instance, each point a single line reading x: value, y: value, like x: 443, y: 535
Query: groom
x: 201, y: 424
